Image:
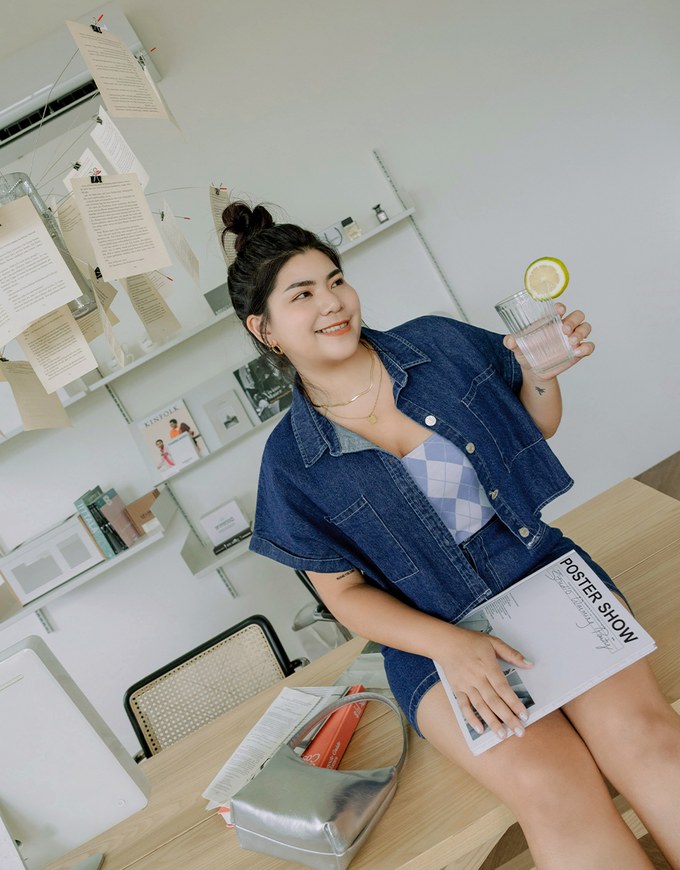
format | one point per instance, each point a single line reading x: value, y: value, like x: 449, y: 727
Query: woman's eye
x: 338, y: 281
x: 301, y: 295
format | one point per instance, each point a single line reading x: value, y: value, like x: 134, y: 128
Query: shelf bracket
x: 44, y: 621
x: 423, y: 240
x: 222, y: 574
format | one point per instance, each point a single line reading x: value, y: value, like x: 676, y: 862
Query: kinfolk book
x: 565, y: 620
x: 169, y: 440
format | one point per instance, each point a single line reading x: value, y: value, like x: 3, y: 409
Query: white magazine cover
x: 569, y: 624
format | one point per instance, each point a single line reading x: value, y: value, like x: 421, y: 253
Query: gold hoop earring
x: 277, y: 350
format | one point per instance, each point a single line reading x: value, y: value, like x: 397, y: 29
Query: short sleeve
x: 287, y: 529
x: 490, y: 345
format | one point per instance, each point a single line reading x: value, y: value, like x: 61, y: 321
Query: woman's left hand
x: 575, y: 327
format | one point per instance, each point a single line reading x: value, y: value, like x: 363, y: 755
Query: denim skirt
x: 500, y: 559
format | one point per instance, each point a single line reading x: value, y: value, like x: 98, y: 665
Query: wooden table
x: 439, y: 815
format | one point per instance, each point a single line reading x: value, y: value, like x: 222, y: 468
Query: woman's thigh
x: 550, y: 759
x: 622, y: 720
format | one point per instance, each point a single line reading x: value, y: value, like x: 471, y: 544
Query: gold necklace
x: 358, y: 395
x: 371, y: 416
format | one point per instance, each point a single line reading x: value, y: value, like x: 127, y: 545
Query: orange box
x: 329, y: 745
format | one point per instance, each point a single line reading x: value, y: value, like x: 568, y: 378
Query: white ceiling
x: 25, y: 22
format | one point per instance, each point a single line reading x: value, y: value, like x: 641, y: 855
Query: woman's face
x: 314, y: 315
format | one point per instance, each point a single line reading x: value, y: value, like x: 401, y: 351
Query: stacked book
x: 107, y: 520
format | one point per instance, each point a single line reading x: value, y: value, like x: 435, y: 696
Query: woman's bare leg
x: 549, y: 779
x: 634, y: 736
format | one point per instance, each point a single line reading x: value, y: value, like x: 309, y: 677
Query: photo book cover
x: 169, y: 439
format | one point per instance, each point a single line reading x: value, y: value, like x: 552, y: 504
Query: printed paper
x: 57, y: 350
x: 87, y: 165
x: 75, y: 235
x: 171, y: 230
x: 38, y: 409
x: 116, y: 150
x: 153, y: 310
x: 117, y: 73
x: 34, y: 278
x: 219, y: 200
x: 120, y: 226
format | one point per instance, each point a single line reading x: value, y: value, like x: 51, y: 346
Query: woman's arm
x: 540, y: 394
x: 469, y: 658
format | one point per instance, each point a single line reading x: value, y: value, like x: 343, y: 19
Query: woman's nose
x: 329, y: 302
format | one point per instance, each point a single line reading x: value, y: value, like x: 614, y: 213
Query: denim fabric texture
x: 329, y: 500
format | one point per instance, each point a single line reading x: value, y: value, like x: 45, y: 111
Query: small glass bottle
x: 380, y: 213
x: 351, y: 229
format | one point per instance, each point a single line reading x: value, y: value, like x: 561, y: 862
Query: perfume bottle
x: 380, y: 213
x: 351, y: 229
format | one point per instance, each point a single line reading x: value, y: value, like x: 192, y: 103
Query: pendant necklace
x: 358, y: 395
x: 371, y: 417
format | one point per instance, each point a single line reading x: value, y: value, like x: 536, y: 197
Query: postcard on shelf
x: 224, y: 523
x: 218, y: 411
x: 565, y: 620
x: 267, y: 390
x: 169, y: 439
x: 218, y: 299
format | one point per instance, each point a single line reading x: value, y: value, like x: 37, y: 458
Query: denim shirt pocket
x: 498, y: 410
x: 368, y: 531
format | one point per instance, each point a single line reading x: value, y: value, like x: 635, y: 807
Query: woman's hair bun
x: 238, y: 218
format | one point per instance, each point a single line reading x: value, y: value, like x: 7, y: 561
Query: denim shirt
x: 329, y: 500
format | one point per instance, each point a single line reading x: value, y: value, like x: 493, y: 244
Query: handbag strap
x: 304, y: 730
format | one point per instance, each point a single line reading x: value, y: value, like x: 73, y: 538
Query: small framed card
x: 225, y: 522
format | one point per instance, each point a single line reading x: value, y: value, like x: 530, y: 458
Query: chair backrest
x: 205, y: 682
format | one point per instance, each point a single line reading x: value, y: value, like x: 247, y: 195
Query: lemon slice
x: 546, y: 278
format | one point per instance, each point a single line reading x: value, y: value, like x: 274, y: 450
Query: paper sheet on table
x: 152, y: 309
x: 219, y: 200
x: 286, y: 713
x: 117, y: 73
x: 173, y: 233
x: 75, y: 235
x: 38, y: 409
x: 34, y: 278
x: 120, y: 226
x: 87, y: 164
x: 57, y: 350
x: 116, y: 150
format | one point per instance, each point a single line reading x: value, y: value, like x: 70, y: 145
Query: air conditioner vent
x: 48, y: 112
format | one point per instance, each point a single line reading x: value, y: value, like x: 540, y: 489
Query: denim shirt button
x: 469, y: 447
x: 524, y: 532
x: 493, y: 495
x: 430, y: 420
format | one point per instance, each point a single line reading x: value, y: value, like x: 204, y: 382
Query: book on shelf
x: 225, y: 526
x: 111, y: 507
x: 267, y: 389
x: 565, y: 620
x: 331, y: 741
x: 231, y: 542
x: 169, y: 439
x: 141, y: 514
x: 100, y: 529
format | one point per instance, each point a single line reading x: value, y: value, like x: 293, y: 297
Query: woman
x: 407, y: 481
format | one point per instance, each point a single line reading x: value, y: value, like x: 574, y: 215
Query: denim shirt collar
x: 313, y: 432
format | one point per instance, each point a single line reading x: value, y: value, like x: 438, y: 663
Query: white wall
x: 519, y: 130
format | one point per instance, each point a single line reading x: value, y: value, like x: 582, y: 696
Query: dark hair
x: 262, y: 249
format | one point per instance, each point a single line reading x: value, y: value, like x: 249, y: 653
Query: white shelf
x: 401, y: 216
x: 76, y: 397
x: 201, y: 560
x: 164, y: 509
x: 178, y: 338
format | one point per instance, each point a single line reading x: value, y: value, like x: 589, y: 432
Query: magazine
x: 565, y: 620
x: 169, y: 440
x: 268, y: 391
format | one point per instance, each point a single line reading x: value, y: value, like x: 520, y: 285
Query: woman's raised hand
x: 575, y: 327
x: 470, y: 662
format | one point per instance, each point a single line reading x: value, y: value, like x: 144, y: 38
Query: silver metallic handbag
x: 312, y: 815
